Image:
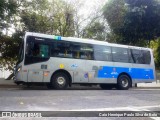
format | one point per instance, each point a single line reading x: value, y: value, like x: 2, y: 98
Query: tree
x: 9, y: 49
x: 95, y: 31
x: 7, y: 45
x: 7, y: 9
x: 114, y: 12
x: 155, y: 45
x: 50, y: 17
x: 34, y: 16
x: 138, y: 21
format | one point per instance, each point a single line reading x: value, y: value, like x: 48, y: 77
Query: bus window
x: 86, y: 52
x: 75, y: 48
x: 72, y: 50
x: 21, y: 52
x: 61, y: 49
x: 120, y: 54
x: 130, y: 56
x: 137, y: 56
x: 146, y: 56
x: 36, y: 51
x: 44, y: 50
x: 40, y: 50
x: 102, y: 53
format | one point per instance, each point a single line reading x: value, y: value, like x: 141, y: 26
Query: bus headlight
x: 19, y: 69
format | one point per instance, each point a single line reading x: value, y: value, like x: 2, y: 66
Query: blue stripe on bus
x: 135, y: 73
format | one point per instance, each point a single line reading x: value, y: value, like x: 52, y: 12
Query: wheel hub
x: 124, y: 82
x: 60, y: 80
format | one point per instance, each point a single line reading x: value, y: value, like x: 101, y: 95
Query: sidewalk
x: 7, y: 83
x: 149, y: 85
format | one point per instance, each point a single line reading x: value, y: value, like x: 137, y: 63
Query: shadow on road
x: 70, y: 88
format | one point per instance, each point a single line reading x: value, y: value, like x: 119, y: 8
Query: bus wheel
x: 123, y: 82
x: 60, y: 81
x: 106, y: 86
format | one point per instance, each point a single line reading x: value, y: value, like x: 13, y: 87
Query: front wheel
x: 123, y: 82
x: 60, y: 81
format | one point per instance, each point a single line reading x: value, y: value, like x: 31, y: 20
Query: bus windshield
x: 21, y: 52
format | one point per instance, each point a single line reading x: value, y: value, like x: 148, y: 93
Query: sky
x: 88, y: 5
x: 91, y: 4
x: 87, y: 9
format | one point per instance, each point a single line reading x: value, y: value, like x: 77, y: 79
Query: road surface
x: 80, y: 99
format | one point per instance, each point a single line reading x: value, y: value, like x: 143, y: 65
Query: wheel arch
x: 124, y: 73
x: 63, y: 71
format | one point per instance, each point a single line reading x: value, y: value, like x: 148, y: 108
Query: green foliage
x: 113, y: 38
x: 155, y: 45
x: 55, y: 17
x: 8, y: 45
x: 43, y: 16
x: 135, y: 21
x: 95, y: 31
x: 7, y: 9
x: 114, y: 12
x: 9, y: 49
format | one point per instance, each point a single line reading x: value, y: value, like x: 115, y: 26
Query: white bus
x: 60, y: 62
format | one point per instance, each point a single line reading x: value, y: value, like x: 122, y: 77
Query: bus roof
x: 82, y: 40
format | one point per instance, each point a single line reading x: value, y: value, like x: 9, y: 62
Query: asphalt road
x: 79, y: 99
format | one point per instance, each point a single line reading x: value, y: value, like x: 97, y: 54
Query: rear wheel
x: 60, y: 81
x: 123, y: 82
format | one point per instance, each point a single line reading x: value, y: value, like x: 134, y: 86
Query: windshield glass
x: 21, y: 52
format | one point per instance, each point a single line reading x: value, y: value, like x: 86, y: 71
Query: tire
x: 123, y: 82
x: 60, y: 81
x: 106, y: 86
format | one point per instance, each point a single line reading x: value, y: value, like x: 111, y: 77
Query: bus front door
x: 35, y: 74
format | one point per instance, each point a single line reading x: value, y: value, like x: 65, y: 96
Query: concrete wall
x: 4, y: 73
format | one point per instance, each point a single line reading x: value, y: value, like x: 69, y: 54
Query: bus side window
x: 146, y: 56
x: 78, y: 54
x: 120, y: 54
x: 137, y: 56
x: 75, y: 50
x: 87, y: 52
x: 102, y: 53
x: 130, y: 55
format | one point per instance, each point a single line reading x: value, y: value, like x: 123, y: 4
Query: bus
x: 59, y: 62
